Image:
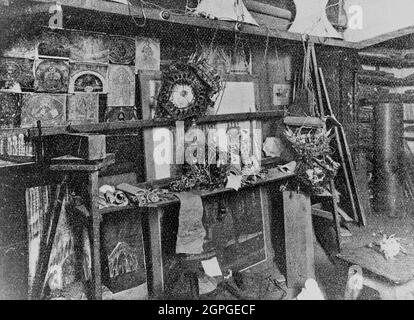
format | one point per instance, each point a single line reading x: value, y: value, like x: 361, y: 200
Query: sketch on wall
x: 51, y: 76
x: 89, y: 47
x: 147, y: 54
x: 83, y: 108
x: 88, y: 77
x: 121, y: 91
x: 121, y: 50
x: 48, y: 108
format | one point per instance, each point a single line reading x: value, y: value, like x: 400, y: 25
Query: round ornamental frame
x: 184, y: 93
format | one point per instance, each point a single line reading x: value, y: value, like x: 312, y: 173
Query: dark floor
x: 331, y: 275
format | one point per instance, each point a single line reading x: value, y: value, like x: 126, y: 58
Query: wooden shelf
x: 141, y: 124
x: 273, y: 177
x: 385, y: 81
x: 116, y: 9
x: 390, y: 62
x: 387, y: 97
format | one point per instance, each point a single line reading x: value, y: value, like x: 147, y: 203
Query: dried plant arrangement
x: 313, y: 154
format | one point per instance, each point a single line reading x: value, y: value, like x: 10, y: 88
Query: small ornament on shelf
x: 120, y: 114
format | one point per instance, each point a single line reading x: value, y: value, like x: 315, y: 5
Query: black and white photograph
x: 207, y: 157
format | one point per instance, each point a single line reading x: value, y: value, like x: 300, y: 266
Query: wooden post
x: 300, y: 264
x: 155, y: 276
x: 96, y: 233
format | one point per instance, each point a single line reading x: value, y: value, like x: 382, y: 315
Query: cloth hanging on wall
x: 191, y: 232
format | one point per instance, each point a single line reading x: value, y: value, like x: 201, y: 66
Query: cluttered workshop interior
x: 206, y: 150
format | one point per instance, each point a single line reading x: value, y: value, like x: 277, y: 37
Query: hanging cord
x: 143, y: 14
x: 266, y: 47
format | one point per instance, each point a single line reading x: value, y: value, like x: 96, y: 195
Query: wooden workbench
x: 297, y: 224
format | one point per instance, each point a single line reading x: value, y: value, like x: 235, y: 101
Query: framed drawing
x: 88, y: 77
x: 123, y: 247
x: 83, y: 108
x: 23, y: 47
x: 51, y: 76
x: 281, y: 94
x: 54, y: 44
x: 17, y: 70
x: 121, y: 50
x: 50, y: 109
x: 89, y: 47
x: 147, y: 54
x: 121, y: 88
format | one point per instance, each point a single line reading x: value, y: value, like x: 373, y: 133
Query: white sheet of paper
x: 211, y: 267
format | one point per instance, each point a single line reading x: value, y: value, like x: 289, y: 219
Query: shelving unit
x: 96, y: 8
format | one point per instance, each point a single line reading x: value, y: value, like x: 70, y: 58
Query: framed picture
x: 148, y: 54
x: 50, y: 109
x: 88, y: 77
x: 281, y: 94
x: 121, y: 85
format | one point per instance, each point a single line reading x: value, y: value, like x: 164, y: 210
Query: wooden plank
x: 317, y: 82
x: 335, y: 214
x: 313, y: 122
x: 346, y: 162
x: 385, y: 37
x: 265, y: 206
x: 399, y: 270
x: 141, y: 124
x: 155, y: 275
x: 96, y: 234
x: 300, y: 262
x: 385, y: 81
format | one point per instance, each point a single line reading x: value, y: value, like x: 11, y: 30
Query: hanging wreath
x: 187, y: 90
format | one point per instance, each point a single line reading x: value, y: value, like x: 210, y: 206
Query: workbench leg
x: 96, y: 233
x: 155, y: 276
x: 265, y: 203
x: 300, y: 261
x: 336, y: 217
